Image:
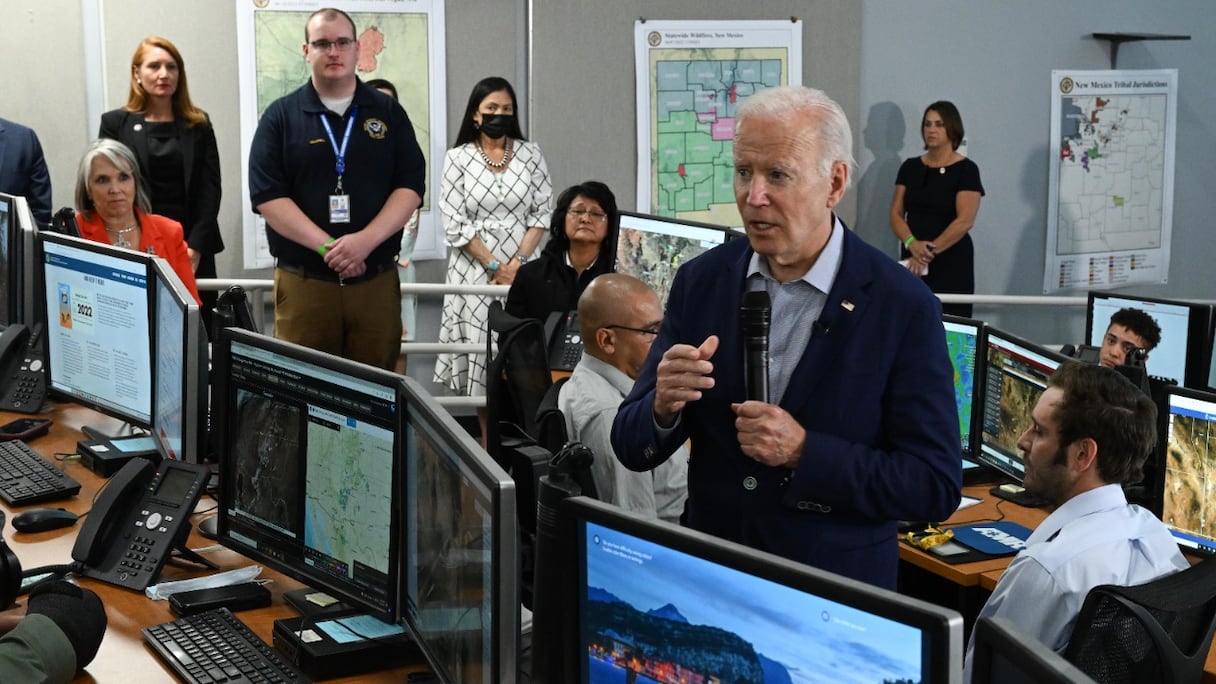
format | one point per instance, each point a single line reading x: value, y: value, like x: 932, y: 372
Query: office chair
x: 1154, y: 632
x: 552, y: 435
x: 516, y: 380
x: 1005, y: 654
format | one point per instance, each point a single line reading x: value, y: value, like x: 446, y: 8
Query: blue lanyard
x: 340, y: 152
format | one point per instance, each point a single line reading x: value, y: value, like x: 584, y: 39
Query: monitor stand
x: 328, y: 641
x: 1018, y: 495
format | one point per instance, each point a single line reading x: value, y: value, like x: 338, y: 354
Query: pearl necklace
x: 506, y: 156
x: 120, y: 241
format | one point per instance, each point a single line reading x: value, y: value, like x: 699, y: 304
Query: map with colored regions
x: 348, y: 484
x: 1110, y: 178
x: 696, y: 93
x: 1112, y: 172
x: 961, y: 348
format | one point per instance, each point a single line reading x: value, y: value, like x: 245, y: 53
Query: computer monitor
x: 1016, y: 373
x: 965, y: 345
x: 1188, y: 507
x: 179, y: 414
x: 17, y: 229
x: 1003, y: 654
x: 310, y: 465
x: 1212, y: 368
x: 99, y: 334
x: 462, y: 587
x: 1183, y: 354
x: 651, y: 248
x: 656, y: 599
x: 8, y: 306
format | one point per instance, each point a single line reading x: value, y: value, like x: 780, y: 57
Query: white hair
x: 833, y: 139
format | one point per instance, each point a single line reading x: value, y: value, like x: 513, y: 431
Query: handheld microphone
x: 754, y: 315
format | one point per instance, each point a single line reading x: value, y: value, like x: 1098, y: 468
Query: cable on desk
x: 982, y: 520
x: 63, y: 457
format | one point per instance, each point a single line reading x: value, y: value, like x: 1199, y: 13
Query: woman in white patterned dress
x: 495, y: 202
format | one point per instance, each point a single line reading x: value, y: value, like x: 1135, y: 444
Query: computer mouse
x: 43, y: 519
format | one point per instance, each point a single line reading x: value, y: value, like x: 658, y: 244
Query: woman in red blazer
x: 112, y: 208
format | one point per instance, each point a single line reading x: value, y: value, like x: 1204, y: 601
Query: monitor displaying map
x: 1016, y: 373
x: 1190, y: 469
x: 652, y: 248
x: 963, y: 337
x: 310, y: 450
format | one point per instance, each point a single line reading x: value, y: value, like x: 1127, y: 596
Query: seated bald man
x: 619, y: 317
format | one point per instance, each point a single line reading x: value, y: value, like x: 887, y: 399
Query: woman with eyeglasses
x: 175, y: 145
x: 582, y: 238
x: 937, y: 196
x: 494, y: 200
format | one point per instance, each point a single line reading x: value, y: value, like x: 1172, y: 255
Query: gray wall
x: 882, y: 59
x: 583, y: 73
x: 994, y: 60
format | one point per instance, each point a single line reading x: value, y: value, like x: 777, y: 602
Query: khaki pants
x: 361, y: 322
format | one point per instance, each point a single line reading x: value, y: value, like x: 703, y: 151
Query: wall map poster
x: 691, y: 76
x: 1111, y: 188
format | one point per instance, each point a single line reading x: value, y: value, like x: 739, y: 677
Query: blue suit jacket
x: 23, y: 169
x: 874, y: 392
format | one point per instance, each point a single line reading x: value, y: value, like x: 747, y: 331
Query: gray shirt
x: 589, y: 400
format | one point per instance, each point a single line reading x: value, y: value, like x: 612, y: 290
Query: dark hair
x: 1106, y: 407
x: 950, y: 117
x: 383, y: 84
x: 490, y: 84
x: 1140, y: 323
x: 559, y: 242
x: 331, y: 13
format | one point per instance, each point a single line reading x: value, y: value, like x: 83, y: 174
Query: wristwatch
x: 492, y: 266
x: 523, y: 258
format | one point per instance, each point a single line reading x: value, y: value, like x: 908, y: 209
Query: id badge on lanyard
x: 339, y: 202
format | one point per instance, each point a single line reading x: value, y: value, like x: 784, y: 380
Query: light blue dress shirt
x: 1094, y: 538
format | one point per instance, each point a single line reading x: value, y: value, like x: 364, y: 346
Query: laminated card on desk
x: 994, y: 539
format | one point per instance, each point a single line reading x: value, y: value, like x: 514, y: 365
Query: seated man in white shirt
x: 619, y: 317
x: 1089, y: 433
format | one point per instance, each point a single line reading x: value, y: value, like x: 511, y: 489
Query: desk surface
x: 985, y: 574
x: 123, y: 656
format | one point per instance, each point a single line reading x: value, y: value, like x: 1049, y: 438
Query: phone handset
x: 565, y: 340
x: 22, y: 372
x: 12, y: 340
x: 139, y: 519
x: 103, y: 518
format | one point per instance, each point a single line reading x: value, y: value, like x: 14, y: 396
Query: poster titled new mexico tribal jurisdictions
x: 1111, y: 188
x: 691, y: 76
x: 399, y: 40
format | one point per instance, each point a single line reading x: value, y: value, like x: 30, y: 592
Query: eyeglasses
x: 593, y: 215
x: 343, y: 44
x: 644, y: 331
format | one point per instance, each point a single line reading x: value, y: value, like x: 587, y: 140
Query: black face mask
x: 495, y: 126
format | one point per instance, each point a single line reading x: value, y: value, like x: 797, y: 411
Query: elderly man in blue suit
x: 862, y: 428
x: 23, y: 169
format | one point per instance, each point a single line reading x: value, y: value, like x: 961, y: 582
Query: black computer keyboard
x: 214, y: 646
x: 26, y: 477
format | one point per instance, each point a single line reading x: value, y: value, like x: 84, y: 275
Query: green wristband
x: 909, y: 240
x: 325, y: 247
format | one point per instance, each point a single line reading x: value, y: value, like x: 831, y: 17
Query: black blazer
x: 202, y: 172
